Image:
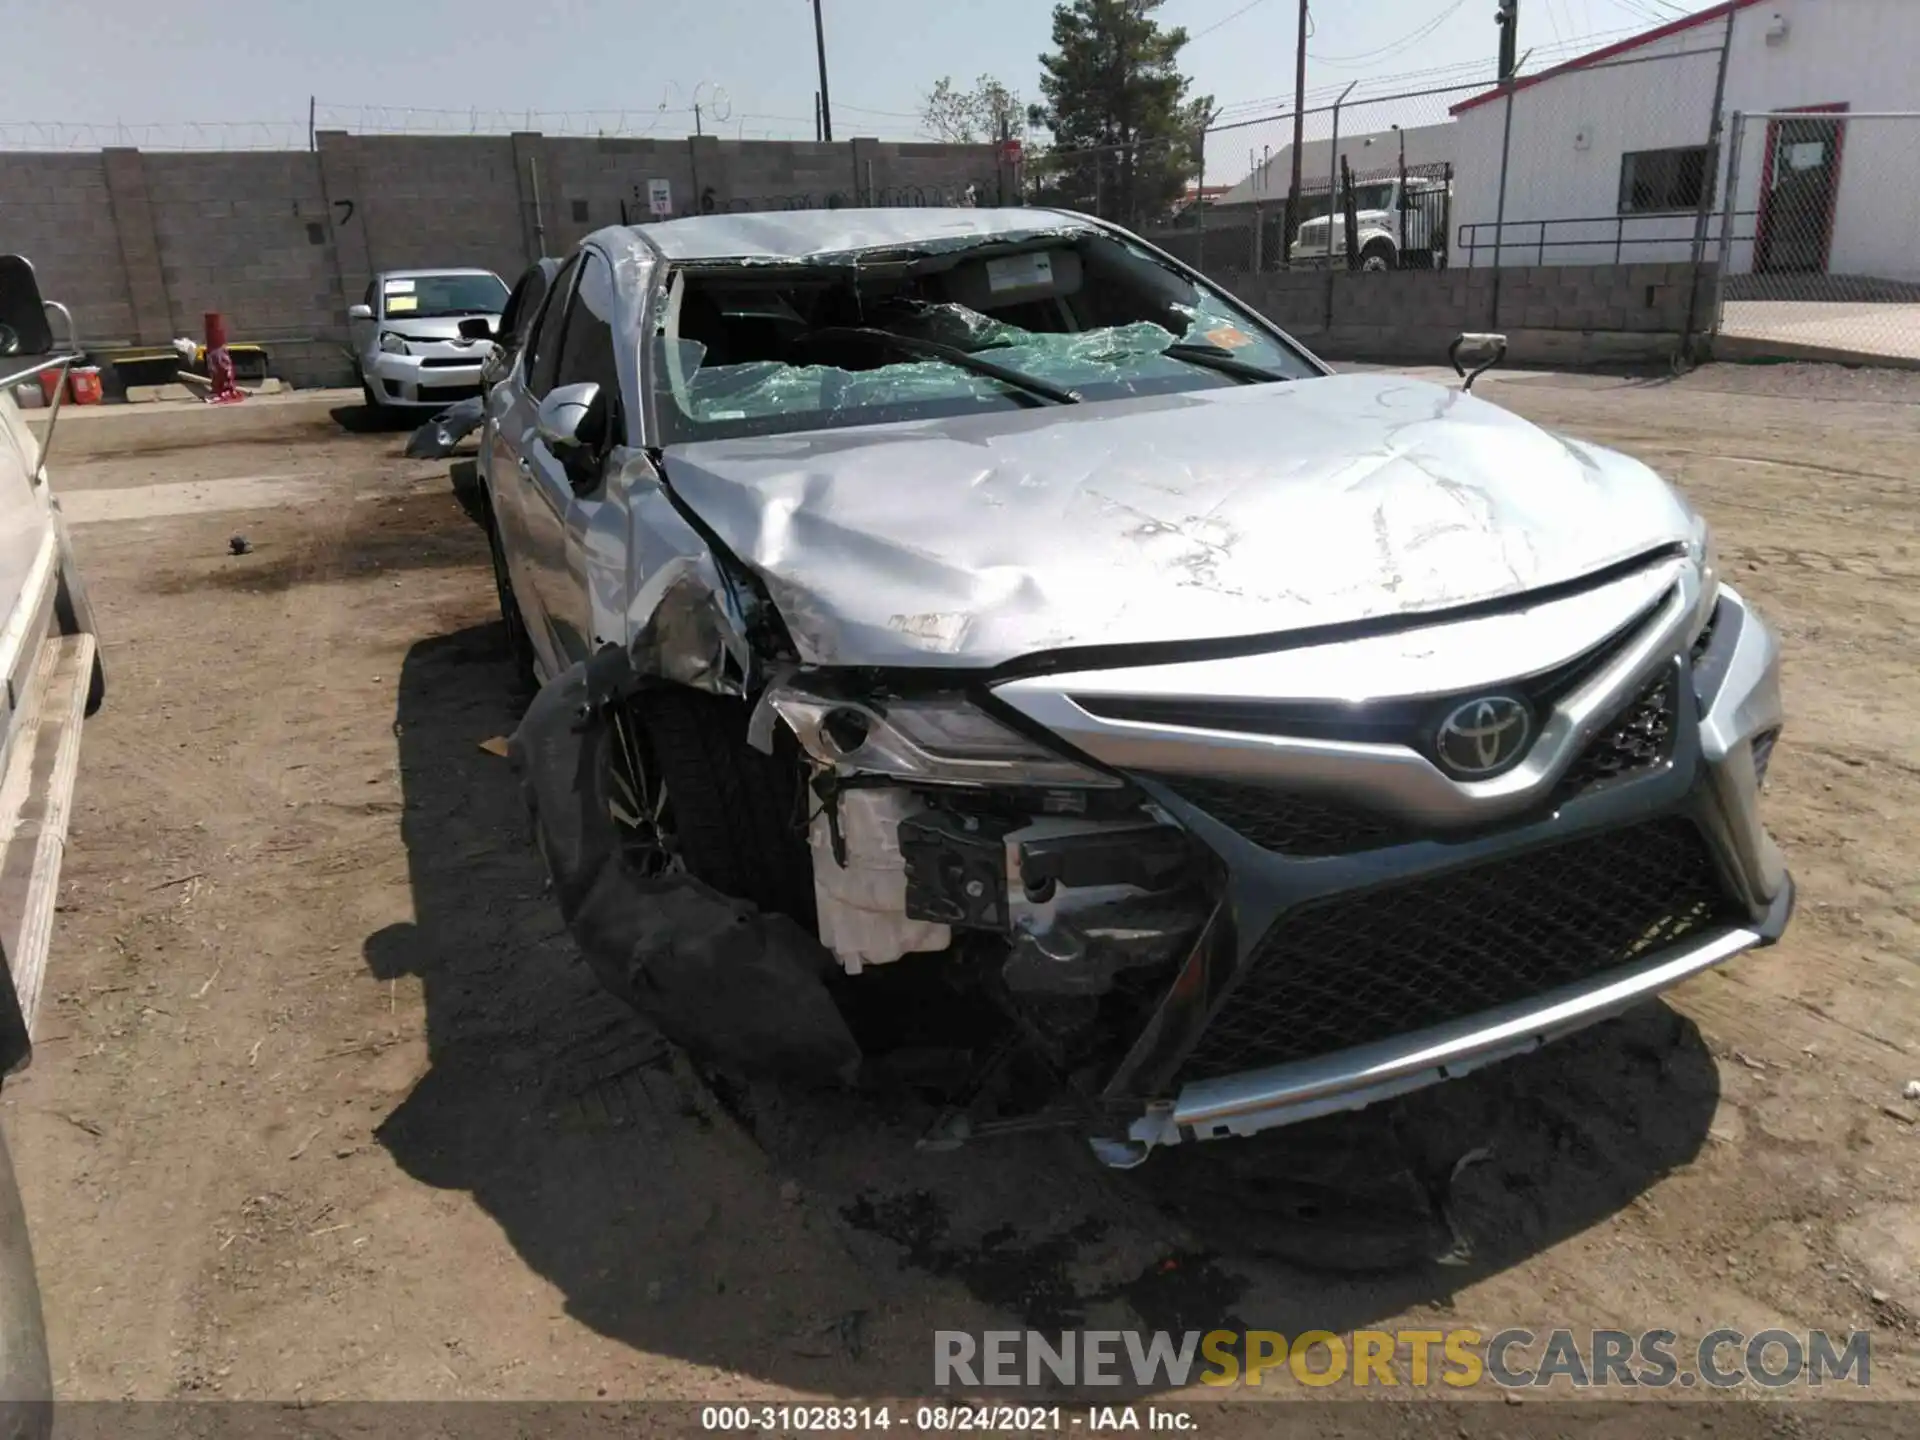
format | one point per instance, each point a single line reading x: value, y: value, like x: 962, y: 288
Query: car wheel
x: 519, y: 642
x: 694, y: 795
x: 1376, y: 257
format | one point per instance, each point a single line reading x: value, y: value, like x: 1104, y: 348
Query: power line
x: 1413, y: 37
x: 1222, y: 23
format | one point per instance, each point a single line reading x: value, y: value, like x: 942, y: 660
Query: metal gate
x: 1819, y: 235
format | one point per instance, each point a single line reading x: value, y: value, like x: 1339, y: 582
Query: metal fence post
x: 1736, y: 130
x: 1200, y: 204
x: 1500, y: 206
x: 1715, y: 143
x: 1333, y: 192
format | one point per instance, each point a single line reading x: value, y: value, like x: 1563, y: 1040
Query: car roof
x: 435, y: 270
x: 774, y: 235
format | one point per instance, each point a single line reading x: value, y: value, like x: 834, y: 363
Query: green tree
x: 1126, y: 134
x: 965, y: 117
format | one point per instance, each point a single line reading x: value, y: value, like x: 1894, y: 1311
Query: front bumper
x: 434, y: 380
x: 1297, y: 936
x: 1257, y: 1100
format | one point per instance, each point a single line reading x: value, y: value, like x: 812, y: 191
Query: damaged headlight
x: 945, y: 741
x: 1706, y: 560
x: 393, y: 343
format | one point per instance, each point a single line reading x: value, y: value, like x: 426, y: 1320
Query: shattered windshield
x: 1083, y: 318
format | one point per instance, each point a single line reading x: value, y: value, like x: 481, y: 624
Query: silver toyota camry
x: 973, y: 634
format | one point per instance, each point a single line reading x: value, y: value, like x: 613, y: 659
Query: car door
x: 566, y: 491
x: 523, y: 312
x: 513, y: 405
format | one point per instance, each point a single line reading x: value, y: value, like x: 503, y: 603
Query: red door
x: 1799, y: 184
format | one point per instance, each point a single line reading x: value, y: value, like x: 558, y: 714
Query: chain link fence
x: 1822, y: 224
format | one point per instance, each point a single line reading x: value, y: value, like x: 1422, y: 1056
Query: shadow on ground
x: 806, y: 1242
x: 364, y: 420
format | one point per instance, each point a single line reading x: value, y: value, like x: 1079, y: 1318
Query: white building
x: 1374, y: 152
x: 1608, y: 153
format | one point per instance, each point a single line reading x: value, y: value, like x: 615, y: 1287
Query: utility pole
x: 1507, y: 17
x: 1299, y: 125
x: 820, y: 45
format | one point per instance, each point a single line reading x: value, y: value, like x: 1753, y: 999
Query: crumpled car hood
x: 438, y: 327
x: 1211, y: 514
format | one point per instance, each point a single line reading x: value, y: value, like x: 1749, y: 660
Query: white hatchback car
x: 406, y: 337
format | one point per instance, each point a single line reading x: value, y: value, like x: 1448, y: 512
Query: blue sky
x: 244, y: 72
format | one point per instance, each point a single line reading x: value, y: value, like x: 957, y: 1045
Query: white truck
x: 54, y: 679
x: 1399, y: 228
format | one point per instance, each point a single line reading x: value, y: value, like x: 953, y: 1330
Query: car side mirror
x: 23, y: 317
x: 476, y: 327
x: 572, y: 420
x: 1489, y: 347
x: 359, y: 312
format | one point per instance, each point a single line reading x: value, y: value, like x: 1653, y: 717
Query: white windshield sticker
x: 399, y: 287
x: 1019, y: 272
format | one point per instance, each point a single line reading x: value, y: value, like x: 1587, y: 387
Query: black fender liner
x: 724, y: 981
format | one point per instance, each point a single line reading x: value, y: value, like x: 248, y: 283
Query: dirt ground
x: 326, y: 1107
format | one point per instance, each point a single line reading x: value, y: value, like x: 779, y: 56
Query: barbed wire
x: 56, y: 135
x: 667, y: 120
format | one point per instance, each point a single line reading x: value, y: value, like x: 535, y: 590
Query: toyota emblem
x: 1483, y: 736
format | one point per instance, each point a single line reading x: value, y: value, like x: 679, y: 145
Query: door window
x: 586, y: 350
x: 523, y: 306
x: 543, y: 357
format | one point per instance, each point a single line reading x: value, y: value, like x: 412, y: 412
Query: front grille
x: 449, y: 394
x: 1369, y: 966
x: 1289, y: 824
x: 1637, y: 739
x: 449, y: 362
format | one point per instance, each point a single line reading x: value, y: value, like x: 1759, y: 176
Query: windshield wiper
x: 952, y: 355
x: 1213, y: 357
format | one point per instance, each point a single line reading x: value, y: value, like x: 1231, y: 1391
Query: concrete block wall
x: 246, y: 234
x: 918, y: 173
x: 428, y: 200
x: 140, y: 244
x: 57, y: 211
x: 1569, y: 314
x: 599, y: 176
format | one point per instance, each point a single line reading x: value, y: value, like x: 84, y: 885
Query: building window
x: 1652, y: 181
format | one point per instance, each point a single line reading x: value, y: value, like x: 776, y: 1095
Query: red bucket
x: 84, y: 385
x: 50, y: 379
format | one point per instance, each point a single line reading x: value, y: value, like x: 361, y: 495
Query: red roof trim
x: 1607, y: 52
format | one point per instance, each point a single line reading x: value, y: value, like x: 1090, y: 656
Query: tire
x: 738, y: 815
x: 1376, y: 257
x: 519, y: 642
